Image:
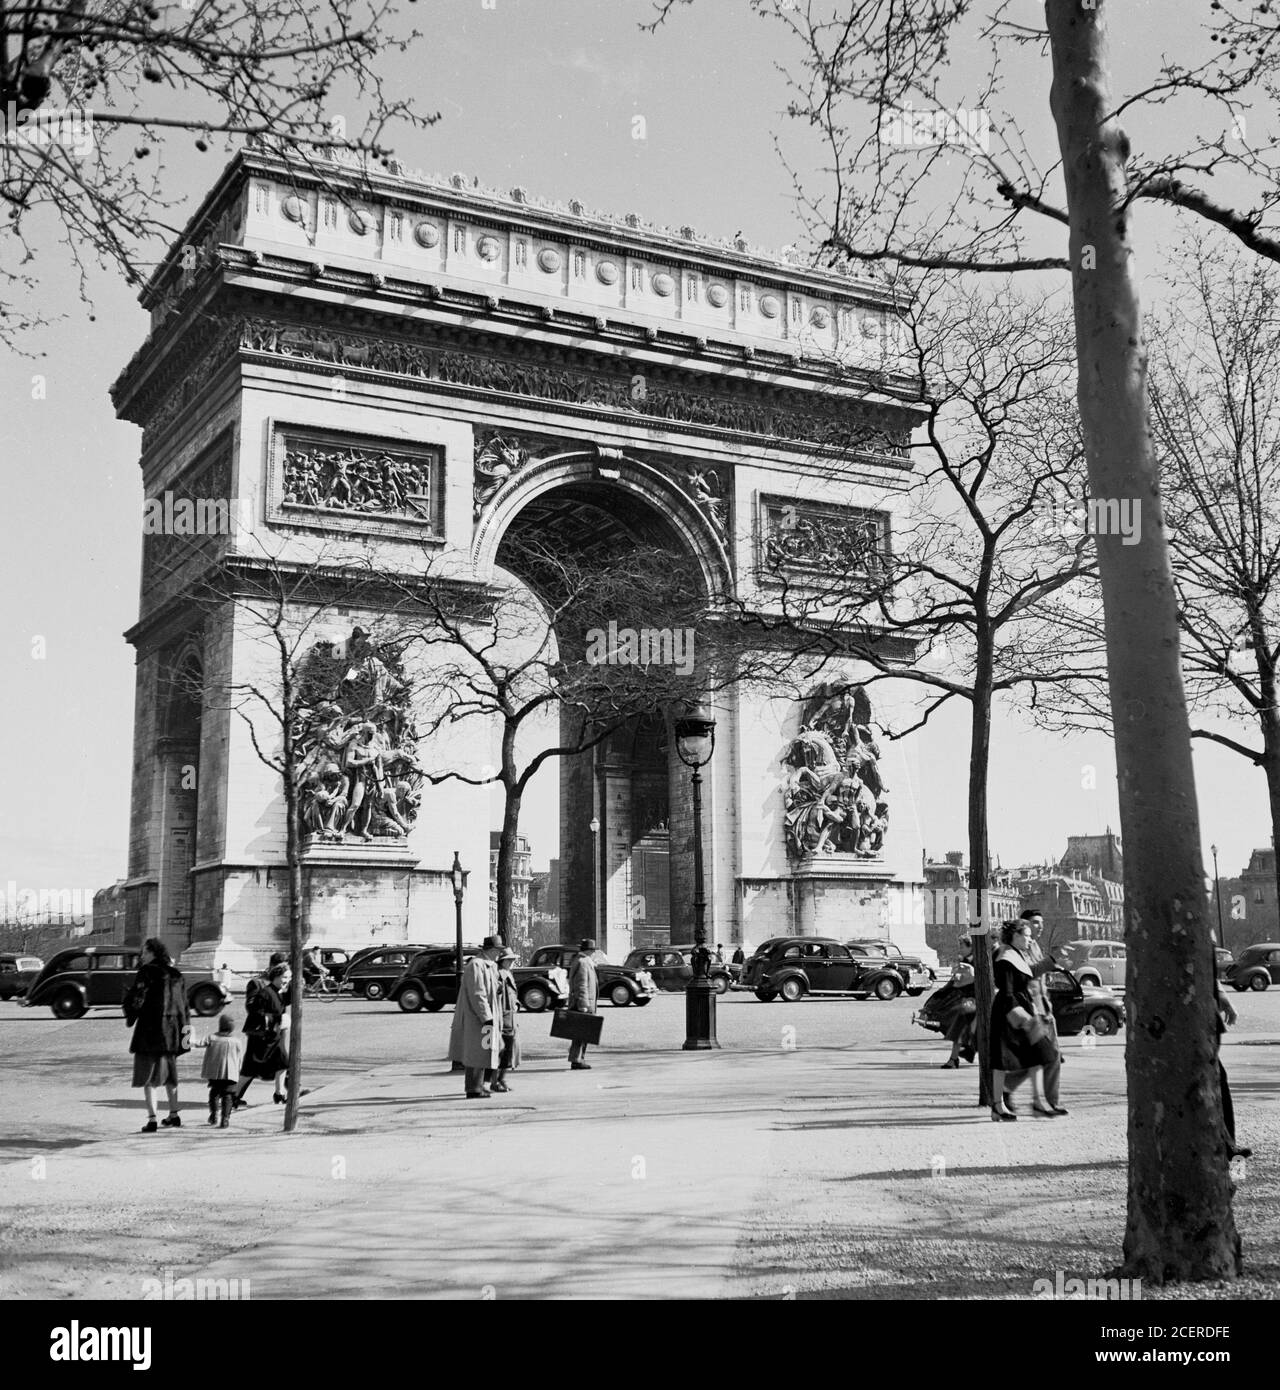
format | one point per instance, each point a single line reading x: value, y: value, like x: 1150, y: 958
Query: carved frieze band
x: 851, y: 427
x: 823, y: 539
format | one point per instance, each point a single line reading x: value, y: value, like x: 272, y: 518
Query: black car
x: 429, y: 983
x: 790, y: 967
x: 620, y: 984
x: 916, y: 976
x: 373, y: 972
x: 1257, y: 968
x: 91, y: 977
x: 670, y: 969
x: 1076, y: 1007
x: 17, y: 973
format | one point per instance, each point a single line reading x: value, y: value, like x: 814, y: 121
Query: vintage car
x: 429, y: 983
x: 620, y: 984
x: 1094, y: 962
x: 1076, y: 1008
x: 92, y: 977
x: 790, y: 967
x: 16, y: 974
x: 916, y: 976
x: 373, y: 972
x: 671, y: 970
x: 1257, y: 968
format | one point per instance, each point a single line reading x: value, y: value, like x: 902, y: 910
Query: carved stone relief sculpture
x: 835, y: 796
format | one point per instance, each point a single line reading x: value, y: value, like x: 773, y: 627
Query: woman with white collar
x: 1019, y: 1041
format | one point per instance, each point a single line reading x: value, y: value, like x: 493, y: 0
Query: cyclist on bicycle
x: 314, y: 975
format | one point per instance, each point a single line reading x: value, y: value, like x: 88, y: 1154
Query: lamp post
x: 1217, y: 893
x: 594, y: 827
x: 459, y: 878
x: 695, y: 742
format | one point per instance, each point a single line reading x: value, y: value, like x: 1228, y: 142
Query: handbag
x: 1020, y: 1019
x: 577, y: 1027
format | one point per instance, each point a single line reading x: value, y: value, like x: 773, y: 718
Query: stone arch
x: 669, y: 506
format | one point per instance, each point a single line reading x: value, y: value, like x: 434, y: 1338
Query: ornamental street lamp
x: 1217, y: 893
x: 596, y: 876
x: 695, y: 742
x: 458, y: 875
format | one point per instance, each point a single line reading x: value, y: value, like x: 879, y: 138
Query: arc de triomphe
x: 405, y: 366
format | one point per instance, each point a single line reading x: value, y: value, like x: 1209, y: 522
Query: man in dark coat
x: 584, y: 991
x: 156, y: 1009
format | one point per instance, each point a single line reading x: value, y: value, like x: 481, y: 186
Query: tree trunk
x: 979, y: 854
x: 514, y: 792
x: 1180, y: 1224
x: 1269, y: 718
x: 293, y: 859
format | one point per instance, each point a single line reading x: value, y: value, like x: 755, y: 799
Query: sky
x: 533, y: 93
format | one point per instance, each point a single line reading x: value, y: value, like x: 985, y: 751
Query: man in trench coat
x: 584, y: 990
x: 475, y: 1038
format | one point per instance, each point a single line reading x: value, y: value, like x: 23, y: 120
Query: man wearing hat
x: 475, y: 1038
x: 510, y: 998
x: 584, y: 990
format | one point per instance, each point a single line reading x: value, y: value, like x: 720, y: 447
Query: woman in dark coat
x: 1018, y: 1042
x: 156, y: 1009
x: 264, y: 1055
x: 956, y: 1015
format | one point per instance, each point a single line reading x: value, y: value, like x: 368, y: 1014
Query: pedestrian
x: 1041, y: 963
x: 1226, y: 1017
x: 156, y: 1009
x: 959, y: 1011
x: 584, y: 992
x: 220, y: 1068
x: 739, y: 957
x: 510, y: 1002
x: 1018, y: 1039
x: 475, y: 1039
x: 264, y: 1055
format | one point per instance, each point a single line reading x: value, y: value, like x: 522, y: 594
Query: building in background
x: 951, y: 907
x: 521, y: 878
x: 109, y: 912
x: 544, y: 906
x: 1082, y: 895
x: 1250, y: 914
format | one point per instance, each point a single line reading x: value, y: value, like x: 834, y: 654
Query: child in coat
x: 221, y: 1068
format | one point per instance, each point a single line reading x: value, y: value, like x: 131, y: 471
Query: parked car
x: 671, y: 969
x: 790, y: 967
x: 91, y: 977
x: 620, y: 984
x: 1094, y: 962
x: 916, y: 976
x: 16, y: 974
x: 1075, y: 1006
x: 428, y: 982
x: 372, y: 973
x: 1257, y: 968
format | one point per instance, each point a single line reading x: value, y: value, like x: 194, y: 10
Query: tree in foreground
x: 932, y: 167
x: 95, y: 93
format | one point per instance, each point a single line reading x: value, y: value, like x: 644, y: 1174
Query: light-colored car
x: 1094, y: 962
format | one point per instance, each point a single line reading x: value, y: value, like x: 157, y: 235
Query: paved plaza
x: 820, y: 1153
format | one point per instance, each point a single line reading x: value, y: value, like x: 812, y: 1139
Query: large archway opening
x: 622, y: 862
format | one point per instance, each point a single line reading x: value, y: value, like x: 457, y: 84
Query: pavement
x: 854, y: 1172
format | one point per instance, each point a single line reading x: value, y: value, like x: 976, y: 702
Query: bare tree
x: 94, y: 92
x: 944, y: 185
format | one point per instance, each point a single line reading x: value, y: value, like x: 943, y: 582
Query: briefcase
x: 576, y: 1027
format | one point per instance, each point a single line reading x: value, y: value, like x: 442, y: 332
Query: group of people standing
x: 484, y: 1037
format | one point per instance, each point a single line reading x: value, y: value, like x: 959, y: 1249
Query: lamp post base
x: 700, y: 1016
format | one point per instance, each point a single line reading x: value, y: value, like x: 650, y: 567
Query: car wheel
x: 534, y: 999
x: 411, y: 999
x: 206, y: 1001
x: 68, y: 1004
x: 765, y: 996
x: 621, y: 995
x: 1258, y: 982
x: 886, y: 989
x: 720, y: 983
x: 1089, y: 980
x: 1103, y: 1022
x: 915, y: 993
x: 641, y: 1000
x: 373, y: 990
x: 791, y: 990
x: 433, y: 1006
